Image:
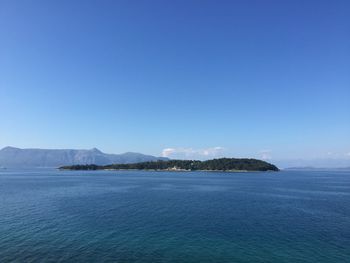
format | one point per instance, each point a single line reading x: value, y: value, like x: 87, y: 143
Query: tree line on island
x: 222, y: 164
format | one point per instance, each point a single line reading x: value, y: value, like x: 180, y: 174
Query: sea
x: 47, y: 215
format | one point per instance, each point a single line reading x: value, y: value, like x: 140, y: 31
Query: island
x: 222, y: 164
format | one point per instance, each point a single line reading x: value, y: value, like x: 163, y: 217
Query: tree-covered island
x: 222, y: 164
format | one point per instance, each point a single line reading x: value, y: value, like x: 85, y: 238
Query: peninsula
x: 222, y: 164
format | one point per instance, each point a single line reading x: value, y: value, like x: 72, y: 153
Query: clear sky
x: 266, y: 79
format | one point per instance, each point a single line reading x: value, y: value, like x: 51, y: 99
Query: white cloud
x: 190, y: 153
x: 168, y: 151
x: 337, y: 155
x: 265, y: 154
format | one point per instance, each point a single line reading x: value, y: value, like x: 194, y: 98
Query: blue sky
x: 196, y: 79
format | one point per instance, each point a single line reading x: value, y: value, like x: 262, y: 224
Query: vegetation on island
x: 222, y: 164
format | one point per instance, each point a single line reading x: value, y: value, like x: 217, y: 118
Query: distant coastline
x: 215, y: 165
x: 311, y: 168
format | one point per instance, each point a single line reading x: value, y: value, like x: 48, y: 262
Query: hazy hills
x: 317, y: 163
x: 16, y: 157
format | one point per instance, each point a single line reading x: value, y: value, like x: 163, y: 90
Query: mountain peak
x: 95, y: 150
x: 9, y: 148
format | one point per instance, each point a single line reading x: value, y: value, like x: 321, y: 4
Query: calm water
x: 48, y: 215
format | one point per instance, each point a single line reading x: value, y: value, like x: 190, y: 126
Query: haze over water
x: 138, y: 216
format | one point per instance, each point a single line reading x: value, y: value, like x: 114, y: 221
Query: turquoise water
x: 124, y: 216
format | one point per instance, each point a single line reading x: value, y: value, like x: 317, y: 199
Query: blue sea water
x: 138, y: 216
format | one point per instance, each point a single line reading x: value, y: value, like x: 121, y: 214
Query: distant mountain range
x: 16, y: 157
x: 316, y: 163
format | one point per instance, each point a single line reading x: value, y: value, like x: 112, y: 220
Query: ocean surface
x: 137, y: 216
